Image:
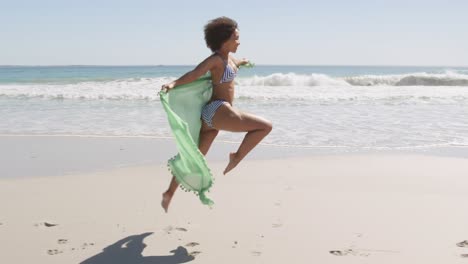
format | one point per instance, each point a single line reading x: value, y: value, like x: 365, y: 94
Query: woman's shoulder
x: 215, y: 61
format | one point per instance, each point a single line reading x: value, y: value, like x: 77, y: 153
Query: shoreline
x: 53, y: 155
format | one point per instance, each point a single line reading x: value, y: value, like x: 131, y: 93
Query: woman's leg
x: 207, y: 136
x: 230, y: 119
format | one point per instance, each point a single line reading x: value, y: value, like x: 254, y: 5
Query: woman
x: 222, y: 37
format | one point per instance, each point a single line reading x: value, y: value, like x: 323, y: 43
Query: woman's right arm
x: 192, y: 75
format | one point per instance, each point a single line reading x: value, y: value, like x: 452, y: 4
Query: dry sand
x: 317, y: 209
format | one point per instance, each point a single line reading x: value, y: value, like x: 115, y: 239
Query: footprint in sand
x: 194, y: 253
x: 339, y: 253
x: 463, y: 243
x: 54, y: 251
x: 256, y: 253
x: 348, y: 252
x: 192, y: 244
x: 168, y: 229
x: 62, y: 241
x: 46, y: 224
x: 85, y: 245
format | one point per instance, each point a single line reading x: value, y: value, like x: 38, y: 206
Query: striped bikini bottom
x: 209, y: 110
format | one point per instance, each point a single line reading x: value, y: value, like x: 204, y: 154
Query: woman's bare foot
x: 166, y: 200
x: 233, y: 161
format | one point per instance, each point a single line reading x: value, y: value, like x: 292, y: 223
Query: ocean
x: 339, y: 108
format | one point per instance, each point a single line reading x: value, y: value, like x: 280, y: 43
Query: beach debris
x: 181, y: 229
x: 62, y: 241
x: 192, y: 244
x: 463, y: 243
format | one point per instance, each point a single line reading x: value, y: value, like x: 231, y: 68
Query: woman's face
x: 233, y: 42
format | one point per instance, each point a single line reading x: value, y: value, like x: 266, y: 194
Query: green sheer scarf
x: 183, y: 105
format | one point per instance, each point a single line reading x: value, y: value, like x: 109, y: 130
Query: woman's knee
x: 268, y: 126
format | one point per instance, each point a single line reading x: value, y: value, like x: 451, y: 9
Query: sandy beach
x: 355, y: 115
x: 355, y: 208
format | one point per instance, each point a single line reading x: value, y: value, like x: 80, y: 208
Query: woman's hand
x: 245, y: 63
x: 166, y: 87
x: 242, y: 61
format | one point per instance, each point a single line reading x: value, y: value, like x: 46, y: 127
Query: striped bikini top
x: 229, y: 73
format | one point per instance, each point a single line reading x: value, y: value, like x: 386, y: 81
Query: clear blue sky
x: 307, y: 32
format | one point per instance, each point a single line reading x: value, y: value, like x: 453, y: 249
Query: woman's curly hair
x: 218, y: 31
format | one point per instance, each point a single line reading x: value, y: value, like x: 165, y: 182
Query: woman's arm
x: 192, y: 75
x: 240, y: 62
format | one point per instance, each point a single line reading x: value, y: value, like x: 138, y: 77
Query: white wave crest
x: 414, y: 79
x: 292, y: 79
x: 420, y: 87
x: 124, y: 89
x: 355, y: 94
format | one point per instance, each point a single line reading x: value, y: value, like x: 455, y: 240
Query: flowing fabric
x: 183, y: 105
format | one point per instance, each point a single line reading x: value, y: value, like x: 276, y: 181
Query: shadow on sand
x: 129, y: 251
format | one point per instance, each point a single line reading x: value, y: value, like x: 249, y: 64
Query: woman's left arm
x: 239, y: 62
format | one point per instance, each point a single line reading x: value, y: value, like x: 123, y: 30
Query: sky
x: 307, y: 32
